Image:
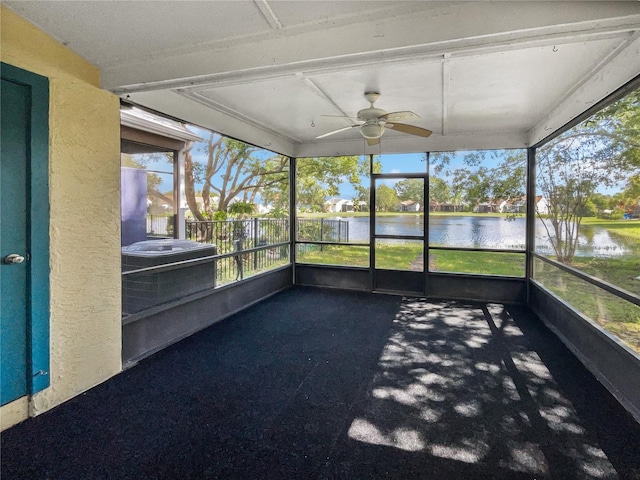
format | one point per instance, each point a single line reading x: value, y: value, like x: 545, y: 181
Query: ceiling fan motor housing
x: 370, y: 114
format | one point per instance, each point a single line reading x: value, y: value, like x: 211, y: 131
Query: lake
x: 488, y: 232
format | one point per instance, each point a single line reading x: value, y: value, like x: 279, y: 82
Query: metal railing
x: 253, y: 232
x: 322, y: 230
x: 245, y: 246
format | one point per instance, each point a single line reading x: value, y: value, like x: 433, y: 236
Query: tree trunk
x: 189, y: 190
x: 204, y: 232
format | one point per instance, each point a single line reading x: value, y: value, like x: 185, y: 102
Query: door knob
x: 12, y: 259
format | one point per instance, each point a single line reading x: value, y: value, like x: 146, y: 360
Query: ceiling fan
x: 373, y: 121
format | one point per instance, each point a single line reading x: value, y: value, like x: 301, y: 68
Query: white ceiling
x: 480, y: 74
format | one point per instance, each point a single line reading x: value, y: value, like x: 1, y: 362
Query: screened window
x: 588, y: 215
x: 237, y: 198
x: 332, y: 210
x: 148, y: 194
x: 477, y: 212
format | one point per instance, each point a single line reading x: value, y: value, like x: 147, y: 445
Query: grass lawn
x: 406, y: 256
x: 334, y: 255
x: 625, y: 228
x: 396, y: 256
x: 510, y: 264
x: 619, y: 271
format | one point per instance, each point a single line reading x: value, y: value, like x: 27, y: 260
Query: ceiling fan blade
x: 410, y: 129
x: 338, y: 131
x: 373, y: 141
x: 395, y: 116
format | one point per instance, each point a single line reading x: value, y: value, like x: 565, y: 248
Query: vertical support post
x: 292, y: 216
x: 322, y: 233
x: 425, y: 232
x: 372, y: 225
x: 255, y: 243
x: 531, y: 216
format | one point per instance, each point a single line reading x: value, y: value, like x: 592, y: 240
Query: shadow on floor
x: 324, y: 384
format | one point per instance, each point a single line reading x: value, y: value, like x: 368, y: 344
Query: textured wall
x: 84, y: 195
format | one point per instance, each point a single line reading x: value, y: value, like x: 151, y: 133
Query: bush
x: 219, y: 215
x: 616, y: 214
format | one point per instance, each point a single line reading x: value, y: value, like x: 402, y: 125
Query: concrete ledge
x: 477, y: 288
x: 611, y: 361
x: 344, y: 278
x: 163, y: 327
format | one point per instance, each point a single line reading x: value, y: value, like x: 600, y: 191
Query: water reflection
x: 488, y: 232
x: 397, y: 225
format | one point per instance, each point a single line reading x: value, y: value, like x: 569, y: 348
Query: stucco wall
x: 84, y: 195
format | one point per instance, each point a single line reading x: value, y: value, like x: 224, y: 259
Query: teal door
x: 13, y: 187
x: 24, y: 223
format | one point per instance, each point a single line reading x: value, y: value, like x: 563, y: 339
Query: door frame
x: 38, y: 274
x: 417, y: 282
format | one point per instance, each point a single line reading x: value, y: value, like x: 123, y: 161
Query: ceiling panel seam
x: 322, y: 94
x: 268, y: 14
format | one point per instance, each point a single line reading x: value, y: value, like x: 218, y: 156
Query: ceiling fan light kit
x: 372, y: 130
x: 372, y: 121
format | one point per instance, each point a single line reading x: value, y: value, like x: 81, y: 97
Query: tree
x: 483, y: 176
x: 410, y: 189
x: 631, y: 194
x: 439, y: 190
x: 602, y: 202
x: 600, y: 152
x: 386, y: 199
x: 320, y: 178
x: 232, y: 169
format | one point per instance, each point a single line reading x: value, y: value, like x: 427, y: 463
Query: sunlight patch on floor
x: 458, y: 383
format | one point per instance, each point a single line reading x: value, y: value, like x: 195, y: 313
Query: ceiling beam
x: 428, y: 34
x: 434, y: 53
x: 446, y: 79
x: 413, y: 144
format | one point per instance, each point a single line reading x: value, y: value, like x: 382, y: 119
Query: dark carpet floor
x: 319, y: 384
